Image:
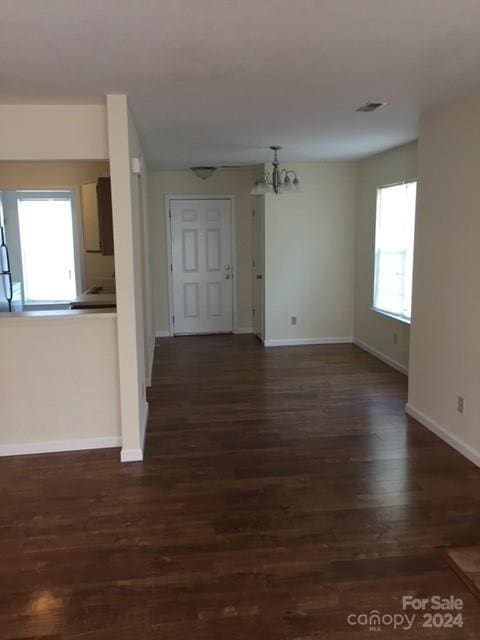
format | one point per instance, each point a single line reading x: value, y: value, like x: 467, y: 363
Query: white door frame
x: 254, y: 268
x: 168, y: 239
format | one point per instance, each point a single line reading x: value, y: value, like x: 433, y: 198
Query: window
x: 47, y: 243
x: 395, y: 228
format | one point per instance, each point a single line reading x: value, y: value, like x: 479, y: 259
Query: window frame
x: 384, y: 312
x: 49, y: 194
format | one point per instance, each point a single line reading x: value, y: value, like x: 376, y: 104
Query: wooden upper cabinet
x: 105, y: 220
x: 91, y: 233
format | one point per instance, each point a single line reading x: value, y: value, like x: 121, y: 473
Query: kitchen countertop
x: 58, y: 313
x: 107, y: 299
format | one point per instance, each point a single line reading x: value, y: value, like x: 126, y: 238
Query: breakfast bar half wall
x: 59, y: 382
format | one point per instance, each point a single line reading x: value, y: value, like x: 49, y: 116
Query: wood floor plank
x: 282, y: 490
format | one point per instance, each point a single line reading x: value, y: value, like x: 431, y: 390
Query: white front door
x: 202, y: 271
x: 258, y: 236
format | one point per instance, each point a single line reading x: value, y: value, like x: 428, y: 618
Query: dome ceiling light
x: 203, y: 172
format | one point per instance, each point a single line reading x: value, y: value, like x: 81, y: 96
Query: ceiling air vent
x: 370, y: 106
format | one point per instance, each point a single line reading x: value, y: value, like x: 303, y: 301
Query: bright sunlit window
x: 395, y: 229
x: 47, y: 242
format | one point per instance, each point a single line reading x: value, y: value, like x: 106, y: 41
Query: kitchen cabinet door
x: 91, y: 232
x: 105, y: 222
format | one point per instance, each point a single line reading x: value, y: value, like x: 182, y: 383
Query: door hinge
x: 253, y: 263
x: 169, y: 213
x: 171, y: 268
x: 253, y: 312
x: 173, y: 319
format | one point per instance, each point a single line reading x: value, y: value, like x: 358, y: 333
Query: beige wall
x: 371, y: 329
x: 140, y: 207
x: 142, y: 244
x: 223, y: 182
x: 99, y: 270
x: 59, y: 382
x: 445, y: 346
x: 309, y: 245
x: 41, y: 175
x: 53, y: 132
x: 63, y: 175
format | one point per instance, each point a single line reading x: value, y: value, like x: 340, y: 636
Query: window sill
x: 391, y: 315
x: 45, y: 306
x: 45, y: 303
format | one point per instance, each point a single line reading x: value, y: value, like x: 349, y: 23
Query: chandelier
x: 278, y: 181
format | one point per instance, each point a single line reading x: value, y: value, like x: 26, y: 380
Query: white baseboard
x: 136, y: 455
x: 131, y: 455
x: 456, y: 443
x: 381, y: 356
x: 166, y: 334
x: 79, y: 444
x: 243, y: 330
x: 293, y: 342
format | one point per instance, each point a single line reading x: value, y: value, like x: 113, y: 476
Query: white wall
x: 309, y: 248
x: 444, y: 339
x: 59, y: 382
x: 53, y: 132
x: 371, y: 329
x: 223, y: 182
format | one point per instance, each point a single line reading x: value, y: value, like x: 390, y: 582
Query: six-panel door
x: 202, y: 266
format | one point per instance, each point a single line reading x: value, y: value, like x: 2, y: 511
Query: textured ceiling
x: 218, y: 81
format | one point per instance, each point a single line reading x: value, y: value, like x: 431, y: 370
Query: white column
x: 134, y: 409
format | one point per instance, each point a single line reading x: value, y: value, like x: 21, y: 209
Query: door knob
x: 227, y: 277
x: 259, y: 277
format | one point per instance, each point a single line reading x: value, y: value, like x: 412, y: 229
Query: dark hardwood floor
x: 282, y: 491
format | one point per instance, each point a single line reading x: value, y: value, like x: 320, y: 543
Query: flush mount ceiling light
x: 370, y: 106
x: 203, y: 172
x: 278, y: 181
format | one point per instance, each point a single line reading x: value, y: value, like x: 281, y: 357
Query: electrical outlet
x: 395, y: 338
x: 293, y: 320
x: 460, y: 404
